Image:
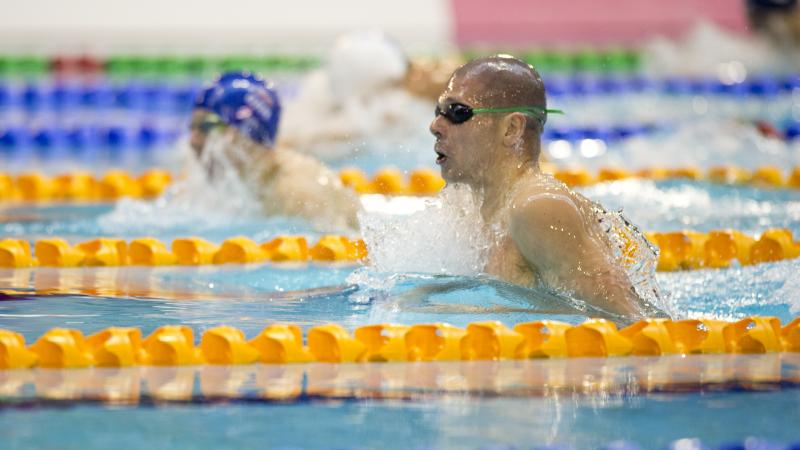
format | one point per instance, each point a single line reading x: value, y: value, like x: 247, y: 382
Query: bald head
x: 504, y: 82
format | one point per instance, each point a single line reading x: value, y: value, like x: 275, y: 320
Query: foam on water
x: 789, y: 292
x: 200, y: 198
x: 770, y: 289
x: 705, y: 144
x: 710, y: 50
x: 700, y: 143
x: 674, y: 205
x: 446, y: 237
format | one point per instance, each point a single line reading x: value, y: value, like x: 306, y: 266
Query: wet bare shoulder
x: 537, y: 189
x: 545, y: 217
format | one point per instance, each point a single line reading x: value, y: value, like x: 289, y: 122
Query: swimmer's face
x: 202, y: 123
x: 198, y: 131
x: 794, y: 24
x: 781, y: 26
x: 463, y: 150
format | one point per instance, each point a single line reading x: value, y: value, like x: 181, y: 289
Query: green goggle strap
x: 520, y: 109
x: 211, y: 121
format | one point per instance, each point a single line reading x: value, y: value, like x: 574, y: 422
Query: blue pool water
x: 587, y: 404
x: 249, y: 297
x: 653, y: 205
x: 582, y: 403
x: 649, y: 421
x: 252, y: 296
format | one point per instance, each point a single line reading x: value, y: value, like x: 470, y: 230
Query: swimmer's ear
x: 513, y: 128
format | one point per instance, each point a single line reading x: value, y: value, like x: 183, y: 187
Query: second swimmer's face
x: 462, y: 149
x: 202, y: 123
x: 198, y: 130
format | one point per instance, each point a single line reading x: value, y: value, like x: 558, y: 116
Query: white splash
x: 688, y: 205
x: 737, y: 292
x: 354, y: 99
x: 705, y: 144
x: 709, y: 50
x: 196, y: 199
x: 446, y: 237
x: 789, y: 294
x: 697, y: 143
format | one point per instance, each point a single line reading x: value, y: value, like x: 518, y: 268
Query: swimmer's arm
x: 550, y: 233
x: 306, y: 188
x: 419, y: 299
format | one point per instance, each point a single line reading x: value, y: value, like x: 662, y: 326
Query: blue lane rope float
x: 49, y: 93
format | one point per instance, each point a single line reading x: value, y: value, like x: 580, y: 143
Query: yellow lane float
x: 174, y: 345
x: 116, y: 184
x: 679, y: 250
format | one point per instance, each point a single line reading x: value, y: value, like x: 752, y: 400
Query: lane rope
x: 174, y: 345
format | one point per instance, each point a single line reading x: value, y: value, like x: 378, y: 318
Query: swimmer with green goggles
x: 541, y: 232
x: 458, y: 113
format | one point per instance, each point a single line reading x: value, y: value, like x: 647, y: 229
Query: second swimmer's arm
x: 305, y: 187
x: 551, y: 234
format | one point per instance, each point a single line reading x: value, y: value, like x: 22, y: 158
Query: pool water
x: 251, y: 296
x: 585, y: 403
x: 48, y: 409
x: 650, y: 421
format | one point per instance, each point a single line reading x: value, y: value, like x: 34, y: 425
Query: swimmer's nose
x: 436, y: 126
x: 197, y: 140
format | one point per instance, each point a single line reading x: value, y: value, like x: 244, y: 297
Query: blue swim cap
x: 244, y: 101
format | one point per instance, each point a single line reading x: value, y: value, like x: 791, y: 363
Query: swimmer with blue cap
x: 234, y: 127
x: 488, y: 125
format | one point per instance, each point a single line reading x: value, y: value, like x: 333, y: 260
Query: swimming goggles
x: 457, y: 113
x: 209, y: 122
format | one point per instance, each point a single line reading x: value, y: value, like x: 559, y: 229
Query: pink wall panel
x: 599, y: 21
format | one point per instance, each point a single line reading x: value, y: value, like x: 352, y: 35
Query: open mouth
x: 440, y: 157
